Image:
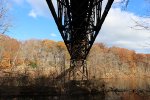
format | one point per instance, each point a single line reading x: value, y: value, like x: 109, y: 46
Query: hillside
x: 50, y: 56
x: 117, y: 62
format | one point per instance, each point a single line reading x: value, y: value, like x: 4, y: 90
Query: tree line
x: 41, y: 54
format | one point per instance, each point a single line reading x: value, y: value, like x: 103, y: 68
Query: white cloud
x: 116, y: 31
x: 120, y: 1
x: 32, y: 14
x: 53, y: 35
x: 39, y: 7
x: 117, y: 0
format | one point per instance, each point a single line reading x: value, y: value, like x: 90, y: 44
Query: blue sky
x: 27, y: 25
x: 32, y: 19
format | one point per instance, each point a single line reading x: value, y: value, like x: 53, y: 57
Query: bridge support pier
x: 80, y: 71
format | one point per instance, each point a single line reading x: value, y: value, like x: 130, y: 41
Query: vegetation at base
x: 33, y: 64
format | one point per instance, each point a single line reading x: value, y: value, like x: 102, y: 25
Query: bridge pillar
x: 80, y: 71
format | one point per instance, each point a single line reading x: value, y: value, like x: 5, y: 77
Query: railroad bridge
x: 79, y: 22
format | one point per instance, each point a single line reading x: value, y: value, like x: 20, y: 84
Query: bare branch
x: 123, y: 3
x: 4, y: 19
x: 141, y: 25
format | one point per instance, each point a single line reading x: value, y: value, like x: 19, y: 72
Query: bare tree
x: 140, y: 24
x: 4, y: 19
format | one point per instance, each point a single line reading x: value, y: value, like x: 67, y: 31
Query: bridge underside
x: 79, y: 22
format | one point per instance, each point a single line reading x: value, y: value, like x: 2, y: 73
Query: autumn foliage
x: 102, y: 61
x: 8, y: 50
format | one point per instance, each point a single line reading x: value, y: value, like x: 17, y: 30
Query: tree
x: 8, y: 51
x: 4, y: 23
x: 144, y: 22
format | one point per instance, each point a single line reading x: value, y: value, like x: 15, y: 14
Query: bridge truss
x: 79, y: 22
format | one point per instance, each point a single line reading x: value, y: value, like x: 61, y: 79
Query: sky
x: 31, y: 19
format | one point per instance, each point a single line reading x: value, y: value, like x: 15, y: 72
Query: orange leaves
x: 48, y: 43
x: 124, y: 54
x: 8, y: 50
x: 61, y: 45
x: 5, y: 63
x: 142, y: 57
